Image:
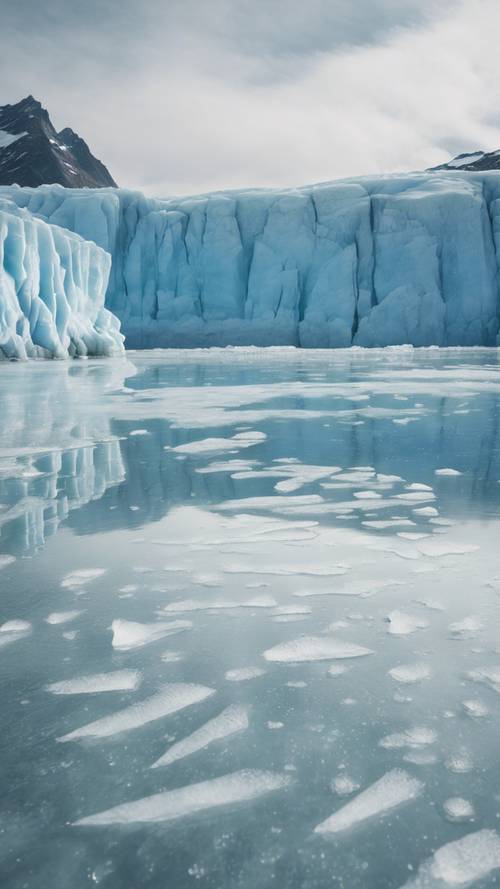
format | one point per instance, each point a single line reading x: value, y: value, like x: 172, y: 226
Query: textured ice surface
x: 402, y: 624
x: 392, y: 790
x: 314, y: 648
x: 419, y: 736
x: 170, y: 699
x: 238, y: 787
x: 13, y: 630
x: 242, y: 674
x: 118, y: 680
x: 378, y: 261
x: 232, y: 720
x: 487, y: 675
x: 408, y: 673
x: 62, y: 617
x: 460, y: 863
x: 458, y: 809
x: 81, y: 577
x: 129, y: 634
x: 52, y: 290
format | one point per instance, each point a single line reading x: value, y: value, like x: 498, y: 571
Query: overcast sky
x: 180, y: 96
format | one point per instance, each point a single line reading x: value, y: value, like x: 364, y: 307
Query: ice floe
x: 314, y: 648
x: 417, y: 736
x: 402, y: 624
x: 128, y: 634
x: 459, y: 863
x: 237, y: 787
x: 81, y: 577
x: 458, y: 809
x: 118, y: 680
x: 408, y: 673
x: 171, y: 698
x: 62, y: 617
x: 232, y: 720
x: 393, y: 789
x: 13, y: 630
x: 243, y: 674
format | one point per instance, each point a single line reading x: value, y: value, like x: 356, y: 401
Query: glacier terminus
x: 400, y: 259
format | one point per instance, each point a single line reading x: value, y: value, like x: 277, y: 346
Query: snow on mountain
x: 32, y: 152
x: 373, y: 262
x: 52, y: 289
x: 473, y: 161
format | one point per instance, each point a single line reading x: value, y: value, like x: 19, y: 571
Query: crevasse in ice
x: 373, y: 262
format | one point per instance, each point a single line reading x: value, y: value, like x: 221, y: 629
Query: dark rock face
x: 32, y: 152
x: 474, y: 161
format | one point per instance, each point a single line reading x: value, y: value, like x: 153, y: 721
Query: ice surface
x: 392, y: 790
x: 447, y: 471
x: 458, y: 809
x: 81, y: 577
x: 52, y: 290
x: 314, y: 648
x: 459, y: 863
x: 213, y: 445
x: 468, y: 628
x: 379, y: 261
x: 128, y: 634
x: 408, y: 673
x: 62, y: 617
x: 13, y: 630
x: 169, y: 699
x: 118, y: 680
x: 232, y: 720
x: 487, y: 675
x: 419, y: 736
x: 402, y: 624
x: 243, y: 786
x: 187, y: 605
x: 242, y: 674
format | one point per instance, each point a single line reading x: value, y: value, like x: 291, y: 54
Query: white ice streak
x: 169, y: 699
x: 62, y: 617
x: 118, y: 680
x: 314, y: 648
x: 232, y: 720
x: 129, y: 634
x: 237, y: 787
x: 214, y: 445
x: 243, y: 674
x: 393, y: 789
x: 81, y: 577
x: 13, y: 630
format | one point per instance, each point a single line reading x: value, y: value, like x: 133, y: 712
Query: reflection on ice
x: 334, y: 600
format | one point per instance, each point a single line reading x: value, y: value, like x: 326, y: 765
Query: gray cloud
x: 187, y: 95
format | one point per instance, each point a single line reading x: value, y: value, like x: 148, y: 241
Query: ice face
x: 243, y: 786
x: 52, y: 290
x: 368, y: 263
x: 118, y: 680
x: 128, y: 634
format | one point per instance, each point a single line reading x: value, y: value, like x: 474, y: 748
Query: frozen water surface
x: 233, y: 565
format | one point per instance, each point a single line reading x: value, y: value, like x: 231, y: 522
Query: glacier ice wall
x: 373, y: 262
x: 52, y: 290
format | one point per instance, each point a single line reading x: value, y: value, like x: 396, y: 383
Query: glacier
x: 399, y: 259
x: 52, y: 290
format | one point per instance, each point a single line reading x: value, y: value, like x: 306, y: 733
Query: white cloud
x: 196, y: 115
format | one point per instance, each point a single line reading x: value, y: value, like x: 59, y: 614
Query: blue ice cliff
x: 52, y: 290
x: 373, y: 262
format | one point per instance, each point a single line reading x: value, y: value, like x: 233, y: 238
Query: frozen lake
x: 250, y: 620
